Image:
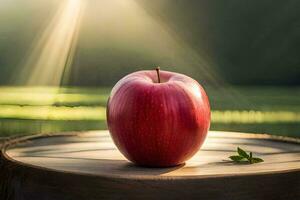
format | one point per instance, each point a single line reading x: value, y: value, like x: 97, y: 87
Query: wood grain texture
x: 88, y: 166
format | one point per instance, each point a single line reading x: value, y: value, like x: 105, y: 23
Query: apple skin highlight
x: 158, y: 124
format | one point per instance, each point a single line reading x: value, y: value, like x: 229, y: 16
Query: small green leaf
x: 242, y: 153
x: 257, y: 160
x: 236, y: 158
x: 244, y: 157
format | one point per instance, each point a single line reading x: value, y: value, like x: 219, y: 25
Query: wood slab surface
x: 91, y: 159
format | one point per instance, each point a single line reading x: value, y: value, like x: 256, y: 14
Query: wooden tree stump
x: 87, y: 165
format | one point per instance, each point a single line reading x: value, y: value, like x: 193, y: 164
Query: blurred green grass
x: 27, y: 110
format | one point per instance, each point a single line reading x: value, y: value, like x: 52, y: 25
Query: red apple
x: 158, y: 118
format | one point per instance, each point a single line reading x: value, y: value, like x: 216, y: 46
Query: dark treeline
x: 239, y: 41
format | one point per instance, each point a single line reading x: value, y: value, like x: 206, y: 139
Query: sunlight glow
x: 128, y: 26
x: 52, y: 54
x: 124, y: 25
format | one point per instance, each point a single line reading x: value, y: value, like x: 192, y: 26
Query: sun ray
x: 54, y: 48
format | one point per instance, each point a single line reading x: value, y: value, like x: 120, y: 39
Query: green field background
x: 28, y: 110
x: 245, y: 54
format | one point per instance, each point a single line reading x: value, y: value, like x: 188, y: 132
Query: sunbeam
x: 53, y: 52
x: 123, y: 34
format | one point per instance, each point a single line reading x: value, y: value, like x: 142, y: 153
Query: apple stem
x: 157, y: 71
